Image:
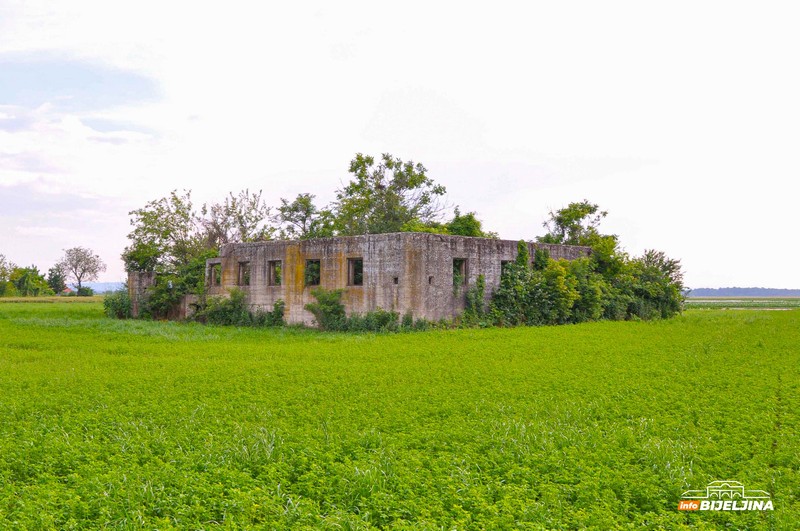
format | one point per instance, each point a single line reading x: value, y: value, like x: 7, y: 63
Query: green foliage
x: 312, y: 273
x: 166, y: 235
x: 27, y: 282
x: 557, y: 292
x: 431, y: 227
x: 328, y: 311
x: 84, y: 291
x: 117, y: 305
x: 5, y: 268
x: 385, y: 196
x: 329, y: 314
x: 262, y: 318
x: 162, y: 425
x: 475, y: 305
x: 8, y: 289
x: 575, y: 224
x: 541, y: 257
x: 233, y: 310
x: 523, y: 256
x: 467, y: 225
x: 81, y: 264
x: 57, y: 278
x: 302, y: 219
x: 551, y: 296
x: 239, y: 218
x: 591, y: 288
x: 659, y: 286
x: 169, y: 289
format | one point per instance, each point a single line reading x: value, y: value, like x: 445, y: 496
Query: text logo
x: 725, y: 496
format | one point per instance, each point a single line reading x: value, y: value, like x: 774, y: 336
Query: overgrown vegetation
x: 234, y: 310
x: 386, y: 195
x: 173, y: 238
x: 117, y: 305
x: 329, y: 314
x: 608, y: 284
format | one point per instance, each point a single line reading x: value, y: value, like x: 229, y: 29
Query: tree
x: 57, y: 278
x: 467, y: 225
x: 301, y: 219
x: 28, y: 282
x: 166, y: 234
x: 240, y: 218
x: 81, y: 264
x: 6, y: 286
x: 577, y: 224
x: 384, y: 196
x: 574, y: 225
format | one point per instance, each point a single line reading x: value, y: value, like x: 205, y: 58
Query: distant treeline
x: 743, y: 292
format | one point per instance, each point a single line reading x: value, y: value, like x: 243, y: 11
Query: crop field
x: 766, y: 303
x: 160, y: 425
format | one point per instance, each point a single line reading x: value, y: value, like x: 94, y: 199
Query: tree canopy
x: 81, y: 265
x: 384, y: 196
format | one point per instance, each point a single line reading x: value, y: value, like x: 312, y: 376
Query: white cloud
x: 678, y: 119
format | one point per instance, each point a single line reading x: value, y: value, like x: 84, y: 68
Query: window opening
x: 215, y: 275
x: 275, y: 273
x: 459, y: 271
x: 244, y: 273
x: 312, y: 275
x: 355, y: 271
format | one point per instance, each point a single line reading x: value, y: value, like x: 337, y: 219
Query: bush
x: 169, y: 289
x: 560, y: 291
x: 232, y: 310
x: 475, y: 305
x: 328, y: 311
x: 330, y: 315
x: 85, y: 291
x: 117, y: 305
x: 274, y: 318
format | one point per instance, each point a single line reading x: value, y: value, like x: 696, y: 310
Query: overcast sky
x: 681, y: 119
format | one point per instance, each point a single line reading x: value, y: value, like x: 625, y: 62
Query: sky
x: 680, y: 119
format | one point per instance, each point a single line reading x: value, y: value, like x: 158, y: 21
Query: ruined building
x: 425, y: 274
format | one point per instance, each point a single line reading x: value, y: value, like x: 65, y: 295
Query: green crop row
x: 144, y: 425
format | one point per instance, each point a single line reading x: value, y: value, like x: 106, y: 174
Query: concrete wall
x: 138, y: 282
x: 402, y: 271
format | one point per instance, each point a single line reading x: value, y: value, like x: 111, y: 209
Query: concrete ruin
x: 425, y: 274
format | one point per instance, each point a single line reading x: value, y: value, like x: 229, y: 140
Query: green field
x: 777, y: 303
x: 130, y: 424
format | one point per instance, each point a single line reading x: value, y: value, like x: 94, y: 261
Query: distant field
x: 743, y: 302
x: 129, y: 425
x: 39, y: 300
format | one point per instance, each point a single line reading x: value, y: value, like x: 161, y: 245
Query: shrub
x: 170, y: 288
x: 273, y: 318
x: 85, y: 291
x: 328, y: 311
x: 585, y: 289
x: 329, y: 314
x: 230, y: 310
x: 475, y: 305
x: 117, y: 305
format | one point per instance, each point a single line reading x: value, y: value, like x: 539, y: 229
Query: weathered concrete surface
x: 403, y: 272
x: 138, y: 282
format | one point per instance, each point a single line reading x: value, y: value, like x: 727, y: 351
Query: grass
x: 133, y: 424
x: 766, y: 303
